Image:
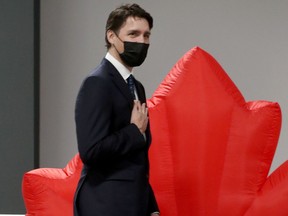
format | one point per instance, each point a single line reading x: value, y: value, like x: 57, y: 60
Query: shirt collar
x: 124, y: 72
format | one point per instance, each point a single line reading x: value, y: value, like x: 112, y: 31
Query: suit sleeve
x: 152, y: 206
x: 93, y: 116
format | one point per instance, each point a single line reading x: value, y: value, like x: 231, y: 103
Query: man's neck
x: 115, y: 54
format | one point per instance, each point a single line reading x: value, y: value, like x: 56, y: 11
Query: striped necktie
x: 130, y: 82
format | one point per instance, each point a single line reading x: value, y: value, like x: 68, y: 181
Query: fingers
x: 139, y: 116
x: 142, y: 108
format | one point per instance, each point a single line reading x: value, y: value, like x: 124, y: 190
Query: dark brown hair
x: 119, y: 16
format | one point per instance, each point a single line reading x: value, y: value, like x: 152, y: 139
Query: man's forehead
x: 135, y: 23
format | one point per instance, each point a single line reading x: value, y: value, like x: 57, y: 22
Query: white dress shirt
x: 124, y: 72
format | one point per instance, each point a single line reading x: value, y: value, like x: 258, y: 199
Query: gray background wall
x: 248, y: 38
x: 17, y: 109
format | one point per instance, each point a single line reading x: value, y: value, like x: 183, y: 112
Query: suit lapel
x: 142, y: 98
x: 140, y: 92
x: 124, y: 89
x: 119, y: 82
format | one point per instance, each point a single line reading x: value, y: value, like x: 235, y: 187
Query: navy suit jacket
x: 114, y: 179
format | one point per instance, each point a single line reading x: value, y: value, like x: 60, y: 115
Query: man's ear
x: 110, y: 36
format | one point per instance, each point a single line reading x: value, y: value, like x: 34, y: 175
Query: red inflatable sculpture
x: 210, y: 156
x: 211, y: 150
x: 50, y: 191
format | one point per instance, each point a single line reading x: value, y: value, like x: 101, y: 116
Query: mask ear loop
x: 120, y: 40
x: 118, y: 37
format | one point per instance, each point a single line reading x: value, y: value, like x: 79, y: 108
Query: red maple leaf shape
x: 212, y: 150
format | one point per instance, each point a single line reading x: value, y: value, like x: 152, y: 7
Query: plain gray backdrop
x: 248, y: 38
x: 16, y: 100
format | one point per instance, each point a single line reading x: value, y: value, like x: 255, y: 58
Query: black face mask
x: 134, y: 53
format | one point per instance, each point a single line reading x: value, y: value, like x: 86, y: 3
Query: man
x: 112, y: 124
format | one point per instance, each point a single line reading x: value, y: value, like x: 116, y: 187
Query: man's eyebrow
x: 137, y: 31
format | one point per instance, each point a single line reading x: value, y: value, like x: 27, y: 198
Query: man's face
x: 135, y: 29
